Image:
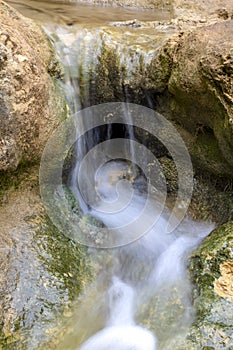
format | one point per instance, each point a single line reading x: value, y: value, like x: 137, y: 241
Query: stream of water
x: 141, y: 297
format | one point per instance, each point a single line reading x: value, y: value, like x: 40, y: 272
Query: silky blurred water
x: 142, y: 292
x: 141, y: 297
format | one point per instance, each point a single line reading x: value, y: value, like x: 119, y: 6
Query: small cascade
x: 96, y: 60
x: 149, y: 303
x: 121, y: 332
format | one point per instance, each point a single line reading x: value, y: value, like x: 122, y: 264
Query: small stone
x: 22, y: 58
x: 222, y: 13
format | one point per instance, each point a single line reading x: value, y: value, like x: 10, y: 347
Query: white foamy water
x: 141, y: 299
x: 121, y: 333
x: 149, y: 273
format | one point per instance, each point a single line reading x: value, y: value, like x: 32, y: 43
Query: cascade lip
x: 70, y: 13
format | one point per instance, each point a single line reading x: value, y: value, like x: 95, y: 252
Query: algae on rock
x: 192, y: 83
x: 42, y: 271
x: 213, y: 326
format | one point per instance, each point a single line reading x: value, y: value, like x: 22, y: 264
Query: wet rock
x: 224, y: 285
x: 201, y: 7
x: 188, y: 80
x: 125, y: 67
x: 42, y: 271
x: 213, y: 326
x: 110, y: 62
x: 191, y: 80
x: 31, y: 105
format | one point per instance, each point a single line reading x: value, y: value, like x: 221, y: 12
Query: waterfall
x: 147, y: 294
x: 121, y: 332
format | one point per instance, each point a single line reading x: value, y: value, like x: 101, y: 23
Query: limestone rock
x: 192, y: 78
x: 30, y: 105
x: 41, y: 271
x: 204, y: 7
x: 213, y: 326
x: 224, y: 285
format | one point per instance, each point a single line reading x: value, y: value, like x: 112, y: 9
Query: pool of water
x: 70, y: 12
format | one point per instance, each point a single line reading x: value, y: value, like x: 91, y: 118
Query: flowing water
x: 74, y: 12
x: 141, y: 297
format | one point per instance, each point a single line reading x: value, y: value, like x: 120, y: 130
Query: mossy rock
x: 42, y: 271
x: 190, y: 81
x: 213, y: 326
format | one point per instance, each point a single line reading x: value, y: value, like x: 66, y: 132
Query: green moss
x: 67, y: 260
x: 11, y: 180
x: 159, y: 71
x: 49, y: 272
x: 171, y: 175
x: 224, y: 134
x: 106, y: 85
x: 212, y: 320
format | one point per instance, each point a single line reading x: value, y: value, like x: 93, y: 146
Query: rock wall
x: 30, y: 103
x: 213, y: 327
x: 185, y: 7
x: 192, y: 78
x: 187, y: 78
x: 41, y: 271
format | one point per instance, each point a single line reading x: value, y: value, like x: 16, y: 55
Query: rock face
x: 30, y: 106
x: 192, y: 77
x: 189, y: 80
x: 213, y: 327
x: 203, y: 7
x: 224, y: 285
x: 41, y: 271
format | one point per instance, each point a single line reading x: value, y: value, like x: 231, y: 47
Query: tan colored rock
x: 203, y: 7
x: 213, y: 325
x: 194, y: 71
x: 224, y: 285
x: 28, y: 108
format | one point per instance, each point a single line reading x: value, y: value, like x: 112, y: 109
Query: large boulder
x: 30, y: 104
x: 192, y: 83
